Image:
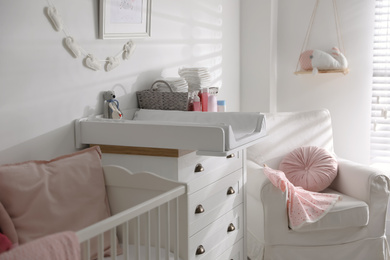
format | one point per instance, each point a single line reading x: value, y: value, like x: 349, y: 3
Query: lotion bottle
x: 212, y: 106
x: 221, y: 105
x: 205, y: 99
x: 197, y: 103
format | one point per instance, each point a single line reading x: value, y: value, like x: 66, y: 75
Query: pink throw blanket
x: 303, y: 206
x: 59, y: 246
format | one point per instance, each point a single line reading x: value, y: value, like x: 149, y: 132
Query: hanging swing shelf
x: 302, y: 72
x: 335, y: 60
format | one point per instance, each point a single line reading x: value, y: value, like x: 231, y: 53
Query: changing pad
x: 208, y: 133
x: 241, y: 124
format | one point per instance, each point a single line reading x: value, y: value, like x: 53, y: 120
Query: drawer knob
x: 199, y: 209
x: 231, y: 228
x: 232, y: 155
x: 230, y: 191
x: 200, y: 250
x: 199, y: 168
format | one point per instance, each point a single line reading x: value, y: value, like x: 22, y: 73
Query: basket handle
x: 161, y: 81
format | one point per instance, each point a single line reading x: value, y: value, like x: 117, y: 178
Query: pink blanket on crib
x: 59, y: 246
x: 303, y: 206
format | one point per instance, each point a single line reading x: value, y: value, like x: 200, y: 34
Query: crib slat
x: 158, y: 230
x: 101, y: 247
x: 86, y: 250
x: 177, y: 230
x: 138, y: 238
x: 147, y: 231
x: 168, y: 235
x: 113, y: 244
x: 125, y: 240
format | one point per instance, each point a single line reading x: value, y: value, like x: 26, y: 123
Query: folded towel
x: 59, y: 246
x: 303, y: 206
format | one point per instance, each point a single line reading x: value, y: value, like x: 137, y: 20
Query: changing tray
x: 209, y: 133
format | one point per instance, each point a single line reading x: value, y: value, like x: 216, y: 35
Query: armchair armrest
x: 266, y: 204
x: 367, y: 184
x: 361, y: 181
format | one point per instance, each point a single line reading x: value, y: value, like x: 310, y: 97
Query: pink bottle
x: 205, y: 99
x: 197, y: 103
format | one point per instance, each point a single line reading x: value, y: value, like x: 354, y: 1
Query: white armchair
x: 354, y: 229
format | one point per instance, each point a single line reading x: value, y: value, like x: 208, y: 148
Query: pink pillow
x: 7, y: 226
x: 312, y: 168
x: 5, y: 243
x: 45, y: 197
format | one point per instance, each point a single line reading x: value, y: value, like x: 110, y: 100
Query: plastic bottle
x: 205, y: 99
x: 197, y: 103
x: 221, y: 105
x: 212, y: 105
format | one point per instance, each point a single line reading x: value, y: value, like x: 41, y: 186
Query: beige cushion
x: 348, y: 212
x: 65, y: 194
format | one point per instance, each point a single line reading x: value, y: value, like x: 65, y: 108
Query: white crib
x: 145, y: 218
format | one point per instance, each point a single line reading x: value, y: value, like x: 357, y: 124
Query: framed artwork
x: 124, y: 19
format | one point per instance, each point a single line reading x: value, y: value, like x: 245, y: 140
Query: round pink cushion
x: 313, y: 168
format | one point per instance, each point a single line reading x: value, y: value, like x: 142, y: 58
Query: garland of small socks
x: 90, y: 60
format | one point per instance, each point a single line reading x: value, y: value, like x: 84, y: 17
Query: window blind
x: 380, y: 108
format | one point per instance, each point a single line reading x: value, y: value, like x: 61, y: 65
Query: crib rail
x: 147, y: 237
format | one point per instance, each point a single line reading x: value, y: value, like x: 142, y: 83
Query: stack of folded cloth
x: 176, y: 83
x: 197, y: 78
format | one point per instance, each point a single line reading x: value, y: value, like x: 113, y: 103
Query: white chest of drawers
x: 212, y: 215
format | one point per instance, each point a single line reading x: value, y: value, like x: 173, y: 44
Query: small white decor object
x: 73, y: 46
x: 91, y: 61
x: 112, y: 63
x: 317, y: 60
x: 128, y: 50
x: 55, y: 17
x: 111, y: 106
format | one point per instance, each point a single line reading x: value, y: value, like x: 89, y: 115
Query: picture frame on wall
x: 124, y: 19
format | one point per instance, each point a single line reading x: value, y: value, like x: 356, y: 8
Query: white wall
x: 258, y: 48
x: 44, y: 89
x: 348, y: 97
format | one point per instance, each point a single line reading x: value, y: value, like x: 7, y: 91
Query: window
x: 380, y: 108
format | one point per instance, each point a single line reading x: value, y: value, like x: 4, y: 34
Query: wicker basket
x: 154, y: 99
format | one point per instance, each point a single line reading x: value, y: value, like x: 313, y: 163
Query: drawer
x: 236, y: 252
x: 217, y: 237
x: 197, y: 170
x: 214, y: 200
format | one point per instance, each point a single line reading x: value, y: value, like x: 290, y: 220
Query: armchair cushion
x: 347, y: 212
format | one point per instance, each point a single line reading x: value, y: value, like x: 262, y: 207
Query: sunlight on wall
x: 46, y: 88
